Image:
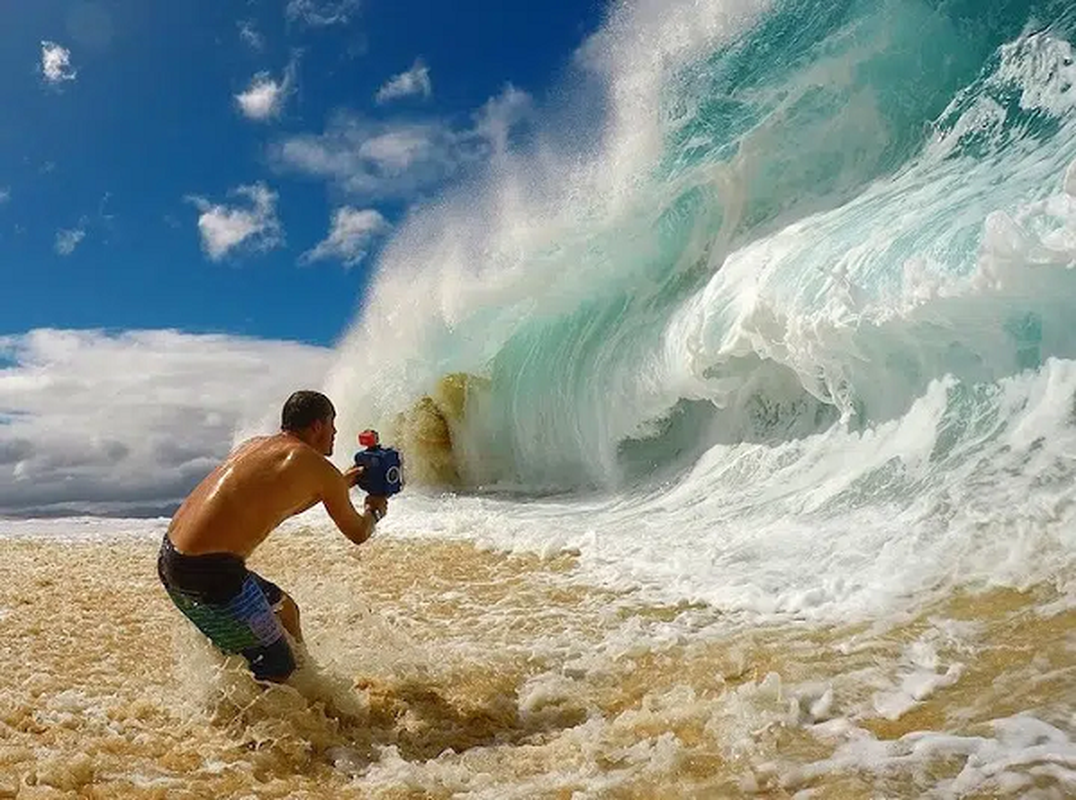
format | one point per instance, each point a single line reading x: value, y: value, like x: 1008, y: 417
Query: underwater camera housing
x: 382, y: 473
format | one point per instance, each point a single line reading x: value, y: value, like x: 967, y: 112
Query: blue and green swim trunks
x: 231, y: 605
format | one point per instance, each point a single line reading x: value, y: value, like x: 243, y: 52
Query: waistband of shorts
x: 210, y: 577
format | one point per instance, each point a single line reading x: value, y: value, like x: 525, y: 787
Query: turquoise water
x: 798, y: 215
x: 808, y: 284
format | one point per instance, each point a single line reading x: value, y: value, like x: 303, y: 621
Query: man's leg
x: 274, y: 662
x: 287, y: 611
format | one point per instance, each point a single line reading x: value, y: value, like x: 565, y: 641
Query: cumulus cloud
x: 68, y: 239
x: 265, y: 97
x: 5, y: 194
x: 225, y: 228
x: 56, y: 63
x: 374, y: 159
x: 321, y: 13
x: 98, y: 423
x: 415, y: 81
x: 350, y: 235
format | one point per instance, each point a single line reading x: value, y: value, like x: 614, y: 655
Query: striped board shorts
x: 231, y: 605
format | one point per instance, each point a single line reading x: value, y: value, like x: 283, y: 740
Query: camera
x: 382, y: 472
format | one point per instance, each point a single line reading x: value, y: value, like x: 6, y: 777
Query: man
x: 263, y: 482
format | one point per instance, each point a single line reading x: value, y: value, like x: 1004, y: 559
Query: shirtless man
x: 263, y: 482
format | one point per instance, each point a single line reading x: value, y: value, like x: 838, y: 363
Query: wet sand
x: 435, y: 669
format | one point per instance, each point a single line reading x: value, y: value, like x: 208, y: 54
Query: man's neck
x: 294, y: 436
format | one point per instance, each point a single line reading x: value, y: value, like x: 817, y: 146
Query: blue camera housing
x: 382, y: 473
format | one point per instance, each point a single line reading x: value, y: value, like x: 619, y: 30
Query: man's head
x: 310, y: 416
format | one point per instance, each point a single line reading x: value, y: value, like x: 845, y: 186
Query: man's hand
x: 376, y: 505
x: 352, y: 475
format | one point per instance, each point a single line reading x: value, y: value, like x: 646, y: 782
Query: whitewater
x: 738, y: 402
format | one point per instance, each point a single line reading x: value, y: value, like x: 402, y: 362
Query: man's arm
x: 334, y: 493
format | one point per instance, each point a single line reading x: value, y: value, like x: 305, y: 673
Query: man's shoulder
x: 285, y: 454
x: 255, y: 444
x: 303, y: 457
x: 275, y: 449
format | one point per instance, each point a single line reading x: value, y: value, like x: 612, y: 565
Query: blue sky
x: 176, y: 165
x: 193, y: 196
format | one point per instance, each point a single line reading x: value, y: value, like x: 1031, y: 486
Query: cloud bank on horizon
x: 126, y: 424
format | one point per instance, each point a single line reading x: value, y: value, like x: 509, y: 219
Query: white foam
x: 1023, y: 748
x: 82, y: 528
x: 835, y: 526
x: 915, y: 686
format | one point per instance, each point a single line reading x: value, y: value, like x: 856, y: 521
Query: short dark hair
x: 304, y: 408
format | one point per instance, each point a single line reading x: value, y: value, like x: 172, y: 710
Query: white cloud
x: 56, y: 63
x: 67, y: 240
x: 384, y: 159
x: 500, y: 114
x: 225, y: 228
x: 92, y: 422
x: 351, y: 233
x: 415, y: 81
x: 265, y: 97
x: 374, y: 159
x: 322, y: 13
x: 250, y: 36
x: 5, y: 194
x: 398, y: 150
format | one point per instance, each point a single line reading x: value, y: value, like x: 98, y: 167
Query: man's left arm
x: 306, y: 506
x: 351, y: 478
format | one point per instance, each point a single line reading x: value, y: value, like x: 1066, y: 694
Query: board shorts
x: 232, y: 605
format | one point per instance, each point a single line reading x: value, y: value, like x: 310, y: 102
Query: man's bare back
x: 262, y: 483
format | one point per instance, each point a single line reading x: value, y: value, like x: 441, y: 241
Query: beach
x: 440, y: 669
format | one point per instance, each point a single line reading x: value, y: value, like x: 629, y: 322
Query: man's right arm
x: 334, y: 494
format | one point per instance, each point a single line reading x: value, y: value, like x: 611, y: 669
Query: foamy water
x: 437, y: 669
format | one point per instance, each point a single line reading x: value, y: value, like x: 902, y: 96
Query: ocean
x: 738, y: 404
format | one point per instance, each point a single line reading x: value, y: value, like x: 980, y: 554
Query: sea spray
x: 797, y: 217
